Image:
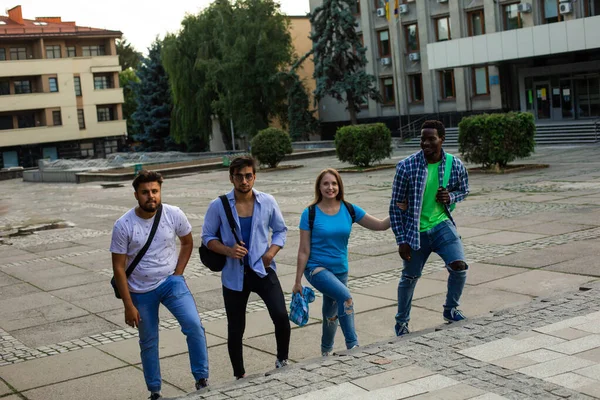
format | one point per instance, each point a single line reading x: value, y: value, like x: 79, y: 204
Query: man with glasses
x: 250, y: 266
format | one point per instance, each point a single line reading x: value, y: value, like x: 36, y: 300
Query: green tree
x: 300, y: 119
x: 225, y: 62
x: 127, y: 81
x: 339, y: 57
x: 129, y: 57
x: 153, y: 96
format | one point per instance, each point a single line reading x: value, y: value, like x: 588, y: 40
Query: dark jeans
x: 269, y: 289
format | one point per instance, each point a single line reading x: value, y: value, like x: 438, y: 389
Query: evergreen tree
x: 153, y: 96
x: 339, y: 57
x: 300, y: 119
x: 129, y: 57
x: 127, y: 80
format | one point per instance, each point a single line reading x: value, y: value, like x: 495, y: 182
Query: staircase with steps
x: 547, y: 134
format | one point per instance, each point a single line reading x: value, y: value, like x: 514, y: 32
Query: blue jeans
x: 444, y: 240
x: 335, y: 295
x: 176, y: 296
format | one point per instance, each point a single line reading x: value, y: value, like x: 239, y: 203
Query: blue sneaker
x: 401, y: 328
x: 453, y: 315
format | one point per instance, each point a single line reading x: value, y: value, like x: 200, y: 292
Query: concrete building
x: 450, y: 58
x: 59, y: 90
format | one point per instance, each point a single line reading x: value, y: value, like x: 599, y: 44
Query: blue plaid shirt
x: 409, y: 184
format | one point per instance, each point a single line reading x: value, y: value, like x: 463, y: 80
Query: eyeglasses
x: 240, y: 177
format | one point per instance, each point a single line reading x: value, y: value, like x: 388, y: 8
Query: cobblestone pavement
x: 526, y: 236
x: 475, y: 360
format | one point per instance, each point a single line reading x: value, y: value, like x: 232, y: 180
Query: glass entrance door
x: 543, y: 109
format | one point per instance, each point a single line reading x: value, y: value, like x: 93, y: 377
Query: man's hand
x: 238, y: 251
x: 132, y: 316
x: 443, y: 196
x: 266, y: 259
x: 404, y: 251
x: 297, y: 288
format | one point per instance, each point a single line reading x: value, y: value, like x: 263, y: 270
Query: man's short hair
x: 242, y: 162
x: 145, y: 176
x: 437, y: 125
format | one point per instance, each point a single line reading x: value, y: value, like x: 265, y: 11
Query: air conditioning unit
x: 442, y: 1
x: 403, y: 8
x: 414, y: 56
x: 524, y: 8
x: 381, y: 12
x: 566, y: 8
x: 386, y: 61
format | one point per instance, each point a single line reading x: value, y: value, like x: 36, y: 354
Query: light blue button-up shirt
x: 266, y: 216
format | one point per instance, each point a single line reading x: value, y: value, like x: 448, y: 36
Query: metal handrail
x: 596, y: 129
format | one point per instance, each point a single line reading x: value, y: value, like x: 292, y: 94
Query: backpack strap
x: 229, y: 214
x: 351, y: 210
x: 447, y: 169
x: 144, y: 249
x: 311, y: 216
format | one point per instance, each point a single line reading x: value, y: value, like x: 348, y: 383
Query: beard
x: 244, y: 189
x: 149, y: 207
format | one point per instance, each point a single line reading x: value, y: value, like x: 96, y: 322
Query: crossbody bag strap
x: 447, y: 169
x: 142, y: 252
x: 229, y: 215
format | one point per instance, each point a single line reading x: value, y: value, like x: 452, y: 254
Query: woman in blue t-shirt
x: 323, y: 254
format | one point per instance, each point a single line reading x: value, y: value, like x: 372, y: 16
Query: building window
x: 53, y: 52
x: 102, y: 82
x: 411, y: 32
x: 550, y: 11
x: 442, y: 29
x: 18, y: 53
x: 22, y: 87
x: 387, y: 91
x: 447, y: 84
x: 476, y: 21
x: 416, y: 88
x: 26, y: 121
x: 53, y: 82
x: 56, y: 119
x: 591, y: 8
x: 383, y: 39
x: 480, y: 81
x: 2, y: 54
x: 90, y: 51
x: 4, y: 88
x: 379, y: 3
x: 87, y: 149
x: 71, y: 51
x: 105, y: 114
x: 355, y: 7
x: 81, y: 119
x: 77, y: 82
x: 512, y: 17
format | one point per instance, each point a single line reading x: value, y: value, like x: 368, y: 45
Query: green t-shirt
x: 432, y: 212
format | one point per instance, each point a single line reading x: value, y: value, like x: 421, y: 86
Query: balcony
x: 40, y: 134
x: 30, y: 101
x: 64, y: 65
x: 540, y: 40
x: 105, y: 96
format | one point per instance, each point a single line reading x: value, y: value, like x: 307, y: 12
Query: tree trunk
x: 353, y: 119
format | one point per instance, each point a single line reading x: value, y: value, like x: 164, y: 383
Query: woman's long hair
x: 319, y: 195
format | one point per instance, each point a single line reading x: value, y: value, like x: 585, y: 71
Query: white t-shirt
x: 129, y: 236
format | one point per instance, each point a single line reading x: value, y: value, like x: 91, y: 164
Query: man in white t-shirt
x: 158, y: 278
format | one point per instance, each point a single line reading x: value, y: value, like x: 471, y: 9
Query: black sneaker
x: 201, y: 383
x: 155, y: 396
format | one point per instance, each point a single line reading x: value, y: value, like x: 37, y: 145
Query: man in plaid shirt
x: 420, y: 218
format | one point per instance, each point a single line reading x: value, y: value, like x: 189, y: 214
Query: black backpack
x: 215, y: 261
x: 312, y: 212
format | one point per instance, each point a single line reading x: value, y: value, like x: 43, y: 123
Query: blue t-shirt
x: 246, y: 225
x: 329, y: 238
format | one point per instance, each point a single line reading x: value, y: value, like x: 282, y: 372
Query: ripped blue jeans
x: 337, y: 306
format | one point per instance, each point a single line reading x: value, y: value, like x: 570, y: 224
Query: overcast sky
x: 140, y: 21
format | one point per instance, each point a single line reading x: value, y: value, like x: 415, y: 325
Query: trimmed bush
x: 362, y: 145
x: 270, y: 146
x: 496, y: 139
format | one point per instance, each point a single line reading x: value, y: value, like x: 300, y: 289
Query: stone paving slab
x: 4, y: 390
x: 504, y: 238
x: 122, y: 383
x: 536, y: 258
x: 589, y: 265
x: 426, y: 287
x: 480, y: 273
x: 59, y: 368
x: 539, y: 283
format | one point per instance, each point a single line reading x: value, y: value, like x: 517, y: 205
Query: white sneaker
x: 325, y: 353
x: 281, y: 363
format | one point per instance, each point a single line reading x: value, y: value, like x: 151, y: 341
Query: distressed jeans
x: 335, y: 294
x: 444, y: 240
x: 176, y: 296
